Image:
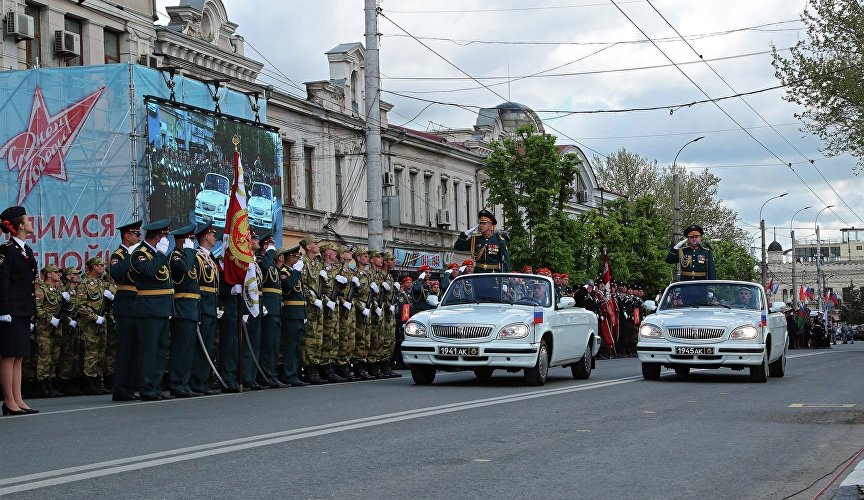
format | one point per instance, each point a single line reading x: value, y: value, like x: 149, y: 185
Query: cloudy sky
x: 559, y: 56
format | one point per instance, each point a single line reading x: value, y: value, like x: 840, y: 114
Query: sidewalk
x: 852, y: 488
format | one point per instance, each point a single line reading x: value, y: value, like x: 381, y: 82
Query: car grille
x: 693, y: 333
x: 461, y: 332
x: 258, y: 211
x: 208, y: 207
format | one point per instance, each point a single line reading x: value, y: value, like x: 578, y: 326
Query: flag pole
x: 239, y: 296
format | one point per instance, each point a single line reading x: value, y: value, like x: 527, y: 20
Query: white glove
x: 219, y: 312
x: 236, y: 289
x: 472, y: 230
x: 66, y: 296
x: 32, y: 327
x: 298, y: 266
x: 162, y: 246
x: 680, y: 243
x: 270, y: 246
x: 188, y: 243
x: 108, y: 295
x: 331, y: 305
x: 341, y: 279
x: 374, y: 287
x: 54, y: 321
x: 356, y: 281
x: 462, y: 269
x: 504, y: 288
x: 318, y: 303
x: 323, y: 274
x: 422, y: 276
x: 392, y: 308
x: 73, y: 323
x: 386, y: 285
x: 245, y: 318
x: 347, y: 305
x: 264, y: 310
x: 448, y: 271
x: 379, y: 311
x: 366, y: 312
x: 6, y: 318
x: 100, y: 320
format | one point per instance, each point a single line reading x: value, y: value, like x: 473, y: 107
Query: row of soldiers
x: 619, y: 315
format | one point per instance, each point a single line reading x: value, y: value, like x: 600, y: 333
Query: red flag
x: 801, y: 295
x: 238, y: 253
x: 608, y: 311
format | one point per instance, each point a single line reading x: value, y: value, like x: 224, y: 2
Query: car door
x: 564, y: 332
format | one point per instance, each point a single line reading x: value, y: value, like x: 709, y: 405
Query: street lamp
x: 792, y: 235
x: 762, y: 229
x: 819, y: 261
x: 676, y: 205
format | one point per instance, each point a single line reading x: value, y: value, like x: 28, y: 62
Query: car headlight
x: 746, y: 332
x: 514, y: 331
x: 650, y: 331
x: 414, y: 329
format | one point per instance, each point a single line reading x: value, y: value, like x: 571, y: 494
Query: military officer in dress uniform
x: 253, y: 327
x: 271, y: 312
x: 697, y: 261
x: 488, y: 249
x: 184, y: 322
x: 154, y: 305
x: 208, y: 288
x: 126, y: 341
x: 293, y: 315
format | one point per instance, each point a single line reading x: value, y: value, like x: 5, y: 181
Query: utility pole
x: 792, y: 235
x: 372, y: 102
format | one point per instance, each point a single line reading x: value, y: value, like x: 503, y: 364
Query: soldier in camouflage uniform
x: 376, y: 330
x: 389, y: 342
x: 69, y: 364
x: 331, y: 283
x: 271, y: 312
x: 313, y: 336
x: 93, y: 296
x: 48, y: 330
x: 347, y: 320
x: 362, y: 312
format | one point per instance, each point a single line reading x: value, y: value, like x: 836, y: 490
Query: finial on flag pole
x: 235, y: 140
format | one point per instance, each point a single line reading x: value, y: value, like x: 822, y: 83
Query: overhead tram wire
x: 772, y: 153
x: 812, y: 162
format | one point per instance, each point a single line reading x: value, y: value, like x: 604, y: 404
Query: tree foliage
x: 852, y: 308
x: 627, y: 173
x: 824, y: 75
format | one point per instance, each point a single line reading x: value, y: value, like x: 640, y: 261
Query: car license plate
x: 696, y: 351
x: 458, y: 351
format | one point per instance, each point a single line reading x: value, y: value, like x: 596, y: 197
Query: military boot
x: 53, y: 390
x: 313, y: 377
x: 328, y: 373
x: 374, y: 371
x: 388, y: 369
x: 344, y: 371
x: 360, y: 371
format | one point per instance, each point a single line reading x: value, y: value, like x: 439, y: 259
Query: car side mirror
x: 650, y: 305
x: 566, y: 303
x: 432, y: 300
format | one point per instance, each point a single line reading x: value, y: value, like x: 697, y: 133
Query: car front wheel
x: 759, y: 373
x: 423, y: 375
x: 537, y: 375
x: 651, y: 371
x: 778, y: 367
x: 582, y: 369
x: 483, y: 373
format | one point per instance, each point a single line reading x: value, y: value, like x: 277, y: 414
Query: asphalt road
x: 712, y: 435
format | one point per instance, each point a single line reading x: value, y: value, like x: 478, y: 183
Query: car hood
x: 481, y: 314
x: 709, y: 317
x: 259, y: 202
x: 212, y: 196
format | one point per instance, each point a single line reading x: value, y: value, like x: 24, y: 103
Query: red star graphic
x: 42, y: 148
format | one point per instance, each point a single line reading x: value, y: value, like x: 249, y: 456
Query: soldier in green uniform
x: 389, y: 343
x: 208, y: 288
x: 229, y: 346
x: 271, y: 311
x: 93, y: 296
x: 362, y: 307
x: 48, y: 330
x: 347, y: 321
x: 293, y: 315
x: 314, y: 329
x: 331, y: 282
x: 184, y: 321
x: 488, y: 249
x: 376, y: 331
x: 154, y: 305
x: 69, y: 364
x: 253, y: 328
x: 697, y: 261
x: 126, y: 340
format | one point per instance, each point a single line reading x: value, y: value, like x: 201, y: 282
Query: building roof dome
x: 775, y: 247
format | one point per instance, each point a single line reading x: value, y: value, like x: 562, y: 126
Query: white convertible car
x: 714, y: 324
x: 502, y: 321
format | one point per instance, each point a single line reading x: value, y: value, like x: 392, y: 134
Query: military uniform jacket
x: 17, y: 280
x: 311, y: 284
x: 389, y: 295
x: 363, y: 295
x: 293, y: 296
x: 696, y: 264
x: 119, y: 267
x: 271, y: 283
x: 90, y: 299
x: 489, y: 254
x: 153, y: 281
x: 49, y: 304
x: 208, y: 282
x: 184, y: 275
x: 229, y: 302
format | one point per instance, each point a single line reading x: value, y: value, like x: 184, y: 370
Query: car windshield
x: 499, y: 289
x: 215, y: 182
x: 726, y: 295
x: 261, y: 190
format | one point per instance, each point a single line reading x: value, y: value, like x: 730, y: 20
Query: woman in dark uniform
x: 17, y: 306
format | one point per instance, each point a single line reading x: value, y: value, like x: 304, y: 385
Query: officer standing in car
x: 488, y: 249
x: 697, y: 260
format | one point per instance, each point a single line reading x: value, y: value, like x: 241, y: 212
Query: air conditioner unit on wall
x: 67, y: 43
x: 582, y: 196
x: 443, y: 217
x: 20, y: 26
x: 389, y: 179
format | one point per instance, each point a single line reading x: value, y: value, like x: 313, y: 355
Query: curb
x: 852, y: 487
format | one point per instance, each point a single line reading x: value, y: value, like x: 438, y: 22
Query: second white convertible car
x: 504, y: 321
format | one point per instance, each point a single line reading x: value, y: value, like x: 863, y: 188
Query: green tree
x: 733, y: 261
x: 627, y: 173
x: 533, y: 183
x: 852, y: 308
x: 824, y: 74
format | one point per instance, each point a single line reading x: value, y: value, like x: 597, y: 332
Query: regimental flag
x: 608, y: 310
x: 239, y: 261
x: 538, y: 315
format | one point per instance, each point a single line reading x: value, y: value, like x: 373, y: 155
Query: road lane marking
x: 822, y: 405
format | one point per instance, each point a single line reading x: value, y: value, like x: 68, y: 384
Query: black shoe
x: 276, y: 384
x: 313, y: 377
x: 195, y: 394
x: 252, y: 386
x: 53, y: 391
x: 30, y: 411
x: 328, y: 373
x: 233, y: 389
x: 181, y: 394
x: 151, y: 397
x: 167, y: 396
x: 298, y: 383
x: 11, y: 413
x: 122, y: 397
